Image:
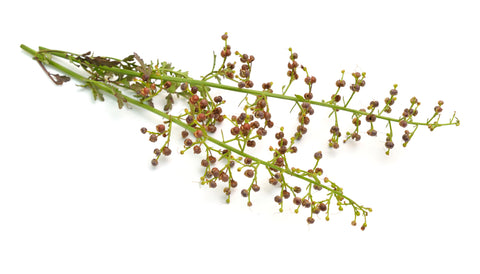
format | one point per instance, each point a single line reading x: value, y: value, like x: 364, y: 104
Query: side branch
x: 203, y: 83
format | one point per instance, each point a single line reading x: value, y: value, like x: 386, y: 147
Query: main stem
x: 179, y: 122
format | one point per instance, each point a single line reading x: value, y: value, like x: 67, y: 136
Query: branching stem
x: 182, y: 124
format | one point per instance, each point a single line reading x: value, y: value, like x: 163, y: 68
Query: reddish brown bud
x: 160, y: 128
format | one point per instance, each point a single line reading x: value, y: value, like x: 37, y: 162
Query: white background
x: 78, y: 195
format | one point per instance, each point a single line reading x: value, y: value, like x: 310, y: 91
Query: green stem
x: 179, y: 122
x: 241, y: 90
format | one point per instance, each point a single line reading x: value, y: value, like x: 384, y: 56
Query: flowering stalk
x: 181, y: 78
x: 204, y: 114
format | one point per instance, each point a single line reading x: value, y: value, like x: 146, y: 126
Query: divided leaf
x: 143, y: 68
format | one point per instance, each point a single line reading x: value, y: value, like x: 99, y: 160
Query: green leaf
x: 169, y: 104
x: 300, y: 98
x: 166, y: 65
x: 136, y: 86
x: 129, y: 58
x: 96, y: 93
x: 121, y: 100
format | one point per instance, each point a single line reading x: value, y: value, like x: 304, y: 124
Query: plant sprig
x: 133, y: 81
